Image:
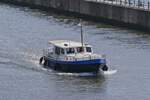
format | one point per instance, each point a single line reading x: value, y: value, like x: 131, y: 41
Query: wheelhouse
x: 68, y: 48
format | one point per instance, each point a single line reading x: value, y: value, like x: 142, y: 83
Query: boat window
x: 70, y: 50
x: 62, y: 51
x: 88, y: 49
x: 57, y: 50
x: 50, y: 49
x: 80, y: 49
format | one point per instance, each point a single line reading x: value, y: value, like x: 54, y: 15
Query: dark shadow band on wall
x: 77, y: 14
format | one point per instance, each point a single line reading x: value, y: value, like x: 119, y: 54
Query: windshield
x: 80, y: 49
x: 88, y: 49
x: 70, y: 50
x: 59, y: 51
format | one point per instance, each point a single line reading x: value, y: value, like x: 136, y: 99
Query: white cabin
x: 65, y: 50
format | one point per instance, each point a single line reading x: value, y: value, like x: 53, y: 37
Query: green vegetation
x: 60, y: 17
x: 104, y: 26
x: 64, y: 17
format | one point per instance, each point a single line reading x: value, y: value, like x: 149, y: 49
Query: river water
x: 25, y: 32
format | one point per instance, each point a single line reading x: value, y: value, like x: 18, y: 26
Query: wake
x: 104, y: 73
x: 109, y: 72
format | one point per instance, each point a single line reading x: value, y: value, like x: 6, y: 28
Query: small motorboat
x: 73, y: 57
x: 70, y: 56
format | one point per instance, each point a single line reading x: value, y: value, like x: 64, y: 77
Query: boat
x: 72, y: 57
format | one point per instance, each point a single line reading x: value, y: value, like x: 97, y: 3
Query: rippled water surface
x: 25, y: 32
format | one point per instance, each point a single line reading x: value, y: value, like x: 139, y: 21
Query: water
x: 25, y: 32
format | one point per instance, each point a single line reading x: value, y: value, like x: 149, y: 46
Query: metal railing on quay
x: 138, y: 4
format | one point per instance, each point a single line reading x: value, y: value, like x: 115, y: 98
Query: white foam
x: 109, y: 72
x: 76, y: 74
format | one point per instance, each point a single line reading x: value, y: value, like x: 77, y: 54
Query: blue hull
x: 75, y: 66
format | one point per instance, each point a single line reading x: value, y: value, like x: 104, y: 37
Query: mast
x: 81, y: 30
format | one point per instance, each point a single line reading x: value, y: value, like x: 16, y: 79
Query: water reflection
x: 77, y: 84
x: 126, y: 39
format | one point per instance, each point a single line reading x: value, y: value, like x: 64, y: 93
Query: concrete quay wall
x: 115, y: 14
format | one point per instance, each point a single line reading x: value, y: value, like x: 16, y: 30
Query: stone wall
x: 114, y: 13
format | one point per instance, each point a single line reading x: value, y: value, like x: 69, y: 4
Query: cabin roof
x: 66, y: 43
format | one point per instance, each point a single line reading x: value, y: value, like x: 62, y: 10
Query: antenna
x: 81, y: 32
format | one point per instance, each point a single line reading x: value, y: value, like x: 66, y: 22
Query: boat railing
x: 89, y: 57
x: 46, y: 52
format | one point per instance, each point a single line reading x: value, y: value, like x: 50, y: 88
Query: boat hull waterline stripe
x: 95, y: 61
